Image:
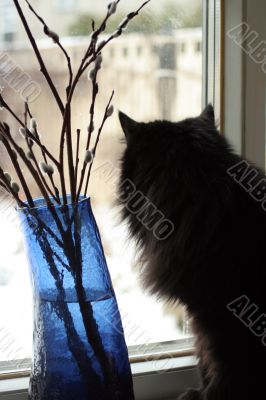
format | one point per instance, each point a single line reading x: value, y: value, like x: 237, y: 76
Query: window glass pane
x: 155, y: 69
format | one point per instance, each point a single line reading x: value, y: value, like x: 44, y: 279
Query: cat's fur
x: 216, y: 253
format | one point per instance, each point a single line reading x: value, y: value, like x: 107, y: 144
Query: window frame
x: 213, y: 11
x: 244, y: 84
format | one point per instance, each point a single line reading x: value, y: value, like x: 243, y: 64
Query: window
x: 165, y: 83
x: 167, y: 56
x: 198, y: 47
x: 9, y: 37
x: 8, y: 17
x: 125, y: 52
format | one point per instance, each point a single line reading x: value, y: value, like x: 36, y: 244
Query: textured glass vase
x: 78, y: 342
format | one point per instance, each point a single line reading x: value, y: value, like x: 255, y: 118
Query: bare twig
x: 116, y: 34
x: 95, y: 90
x: 55, y: 195
x: 56, y: 39
x: 31, y: 136
x: 5, y: 185
x: 66, y: 128
x: 6, y: 134
x: 77, y: 158
x: 33, y: 158
x: 39, y: 57
x: 92, y: 55
x: 94, y: 150
x: 90, y: 52
x: 70, y: 152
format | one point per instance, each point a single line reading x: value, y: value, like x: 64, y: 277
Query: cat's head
x: 161, y: 150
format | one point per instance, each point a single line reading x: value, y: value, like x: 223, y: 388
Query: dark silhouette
x: 214, y: 261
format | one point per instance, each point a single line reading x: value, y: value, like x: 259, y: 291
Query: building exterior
x: 153, y: 76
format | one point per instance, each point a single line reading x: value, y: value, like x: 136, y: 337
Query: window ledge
x: 151, y: 381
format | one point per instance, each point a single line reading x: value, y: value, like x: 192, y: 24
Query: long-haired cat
x: 214, y: 259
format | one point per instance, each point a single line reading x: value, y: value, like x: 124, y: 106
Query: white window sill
x: 148, y: 384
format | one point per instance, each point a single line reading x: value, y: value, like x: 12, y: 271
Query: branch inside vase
x: 74, y: 261
x: 62, y: 309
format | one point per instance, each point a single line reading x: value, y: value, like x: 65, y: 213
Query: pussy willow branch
x: 92, y: 52
x: 31, y: 136
x: 78, y: 352
x: 89, y: 322
x: 56, y: 191
x: 77, y: 158
x: 6, y: 134
x: 117, y: 33
x: 84, y: 66
x: 42, y: 177
x: 96, y: 144
x: 5, y: 131
x: 20, y: 203
x: 27, y: 110
x: 39, y: 57
x: 5, y: 139
x: 57, y: 41
x: 26, y: 113
x: 35, y: 140
x: 70, y: 152
x: 5, y: 184
x: 89, y: 52
x: 66, y: 133
x: 95, y: 89
x: 51, y: 233
x: 33, y: 158
x: 66, y: 129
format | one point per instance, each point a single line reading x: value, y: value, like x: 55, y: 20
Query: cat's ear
x: 208, y: 114
x: 129, y: 126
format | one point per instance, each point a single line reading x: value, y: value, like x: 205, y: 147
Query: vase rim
x: 44, y: 205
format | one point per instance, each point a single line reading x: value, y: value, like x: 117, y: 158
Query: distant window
x: 9, y: 37
x: 197, y: 47
x: 8, y: 25
x: 167, y: 55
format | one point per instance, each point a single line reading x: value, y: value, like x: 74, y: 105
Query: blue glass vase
x: 78, y: 342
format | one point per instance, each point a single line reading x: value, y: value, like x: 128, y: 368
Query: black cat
x: 214, y: 259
